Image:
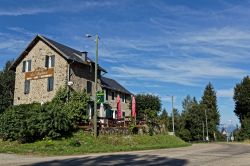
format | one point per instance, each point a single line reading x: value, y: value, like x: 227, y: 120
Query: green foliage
x: 185, y: 134
x: 75, y: 143
x: 209, y: 103
x: 7, y: 85
x: 192, y: 119
x: 242, y: 107
x: 244, y: 132
x: 241, y: 98
x: 147, y: 106
x: 30, y: 122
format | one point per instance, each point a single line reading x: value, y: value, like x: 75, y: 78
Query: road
x: 197, y: 154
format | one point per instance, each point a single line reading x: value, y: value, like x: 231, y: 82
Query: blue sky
x: 160, y: 47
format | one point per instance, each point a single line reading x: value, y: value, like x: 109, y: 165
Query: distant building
x: 46, y: 65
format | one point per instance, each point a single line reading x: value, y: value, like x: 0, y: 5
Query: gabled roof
x: 113, y: 85
x: 67, y: 52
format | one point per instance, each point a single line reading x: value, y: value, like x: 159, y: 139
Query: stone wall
x: 38, y: 87
x: 124, y: 106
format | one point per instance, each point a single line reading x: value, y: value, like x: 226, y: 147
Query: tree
x: 242, y: 106
x: 148, y: 106
x: 163, y: 119
x: 177, y: 122
x: 209, y: 104
x: 192, y: 120
x: 7, y: 85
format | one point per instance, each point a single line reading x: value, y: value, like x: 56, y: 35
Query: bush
x: 30, y: 122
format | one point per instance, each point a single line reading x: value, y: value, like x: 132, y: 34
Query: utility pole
x: 203, y: 132
x: 95, y: 89
x: 173, y: 113
x: 207, y: 139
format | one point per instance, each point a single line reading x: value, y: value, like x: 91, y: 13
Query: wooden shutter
x: 47, y: 61
x: 24, y: 67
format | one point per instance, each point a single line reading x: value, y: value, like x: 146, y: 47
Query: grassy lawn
x: 82, y: 143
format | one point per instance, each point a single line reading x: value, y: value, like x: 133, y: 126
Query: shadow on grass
x: 120, y: 159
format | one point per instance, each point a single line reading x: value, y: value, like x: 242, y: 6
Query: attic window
x: 27, y: 66
x: 50, y: 61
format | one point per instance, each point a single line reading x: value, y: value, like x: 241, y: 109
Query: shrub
x: 75, y: 143
x: 30, y: 122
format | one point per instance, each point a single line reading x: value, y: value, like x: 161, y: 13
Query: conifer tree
x: 209, y: 103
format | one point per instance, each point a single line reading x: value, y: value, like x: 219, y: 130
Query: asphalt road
x: 198, y: 154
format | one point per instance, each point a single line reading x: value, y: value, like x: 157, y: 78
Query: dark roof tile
x: 113, y: 85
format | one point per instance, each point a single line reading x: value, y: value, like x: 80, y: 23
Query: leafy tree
x: 209, y: 104
x: 147, y: 106
x: 242, y: 106
x: 7, y: 85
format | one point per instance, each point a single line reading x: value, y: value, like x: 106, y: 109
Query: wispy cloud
x: 225, y: 93
x: 57, y: 6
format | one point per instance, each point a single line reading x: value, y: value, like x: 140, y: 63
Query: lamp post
x: 95, y: 87
x: 207, y: 139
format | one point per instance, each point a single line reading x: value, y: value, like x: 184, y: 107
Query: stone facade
x: 38, y: 87
x: 81, y: 74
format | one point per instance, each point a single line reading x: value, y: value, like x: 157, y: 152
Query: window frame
x: 113, y: 95
x: 50, y: 61
x: 26, y: 86
x: 50, y: 84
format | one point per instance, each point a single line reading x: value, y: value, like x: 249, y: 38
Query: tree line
x: 190, y: 124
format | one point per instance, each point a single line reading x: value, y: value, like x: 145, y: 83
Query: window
x: 107, y: 94
x: 90, y: 68
x: 89, y: 87
x: 50, y: 61
x: 27, y: 87
x: 124, y: 98
x: 50, y: 85
x: 113, y: 95
x: 27, y: 66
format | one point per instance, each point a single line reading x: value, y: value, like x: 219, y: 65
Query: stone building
x: 46, y: 65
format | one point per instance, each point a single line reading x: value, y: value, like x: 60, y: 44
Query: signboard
x: 100, y: 97
x: 39, y: 73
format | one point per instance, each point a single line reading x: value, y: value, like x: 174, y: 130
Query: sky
x: 162, y: 47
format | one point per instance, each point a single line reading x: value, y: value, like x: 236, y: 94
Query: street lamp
x: 95, y: 88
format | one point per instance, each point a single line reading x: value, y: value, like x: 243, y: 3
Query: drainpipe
x: 68, y: 79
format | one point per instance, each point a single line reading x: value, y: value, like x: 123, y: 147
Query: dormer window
x: 27, y: 66
x: 50, y: 61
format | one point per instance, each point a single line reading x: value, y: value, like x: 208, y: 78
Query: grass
x: 82, y: 143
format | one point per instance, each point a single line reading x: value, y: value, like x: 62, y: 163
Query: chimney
x: 84, y: 55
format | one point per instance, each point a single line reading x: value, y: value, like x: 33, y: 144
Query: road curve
x: 228, y: 154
